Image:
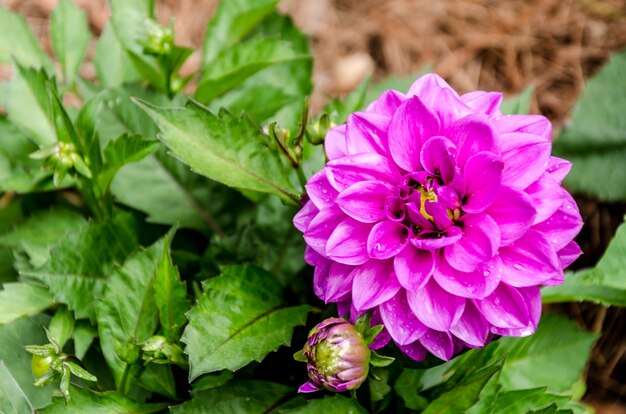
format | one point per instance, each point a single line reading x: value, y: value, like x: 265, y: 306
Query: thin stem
x: 301, y: 176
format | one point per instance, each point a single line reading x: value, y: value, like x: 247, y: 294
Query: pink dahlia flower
x: 440, y: 215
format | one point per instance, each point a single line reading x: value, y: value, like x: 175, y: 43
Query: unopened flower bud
x: 337, y: 357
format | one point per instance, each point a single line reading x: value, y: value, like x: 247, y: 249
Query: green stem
x: 301, y: 176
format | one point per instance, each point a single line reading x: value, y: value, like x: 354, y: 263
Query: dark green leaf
x: 23, y: 299
x: 329, y: 405
x: 61, y: 326
x: 232, y: 21
x: 554, y: 356
x: 13, y: 337
x: 159, y: 379
x: 70, y: 37
x: 12, y: 398
x: 237, y: 64
x: 407, y: 386
x: 113, y: 65
x: 595, y: 142
x: 18, y: 42
x: 518, y: 104
x: 86, y: 401
x: 381, y: 360
x: 250, y: 397
x: 121, y: 151
x: 240, y: 318
x: 80, y: 263
x: 170, y: 296
x: 209, y: 381
x: 225, y: 148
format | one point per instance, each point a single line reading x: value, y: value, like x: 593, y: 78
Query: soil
x: 506, y: 45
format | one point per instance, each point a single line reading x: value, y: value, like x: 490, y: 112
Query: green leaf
x: 238, y: 63
x: 12, y: 398
x: 121, y: 151
x: 240, y: 318
x: 61, y: 326
x: 554, y: 356
x: 464, y: 395
x: 407, y: 386
x: 518, y: 104
x: 83, y: 336
x: 86, y: 401
x: 170, y: 296
x: 80, y: 263
x: 18, y: 42
x: 113, y: 66
x: 13, y: 337
x: 222, y: 147
x: 22, y: 299
x: 18, y: 172
x: 236, y: 397
x: 70, y: 37
x: 595, y: 141
x: 28, y: 105
x: 233, y: 21
x: 525, y: 401
x: 329, y: 405
x: 127, y: 313
x: 578, y: 289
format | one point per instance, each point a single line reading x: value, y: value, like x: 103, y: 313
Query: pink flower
x: 441, y: 215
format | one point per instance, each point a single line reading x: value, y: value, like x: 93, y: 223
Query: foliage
x: 146, y: 237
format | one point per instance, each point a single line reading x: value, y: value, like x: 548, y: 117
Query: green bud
x: 157, y: 349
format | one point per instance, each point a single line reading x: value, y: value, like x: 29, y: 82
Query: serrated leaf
x: 28, y: 105
x: 170, y: 296
x: 121, y: 151
x: 240, y: 318
x: 595, y: 142
x: 329, y: 405
x: 464, y: 395
x: 70, y: 37
x: 13, y: 337
x: 518, y: 104
x: 236, y: 397
x: 86, y: 401
x: 232, y: 21
x: 22, y: 299
x: 81, y: 262
x: 18, y: 42
x: 127, y: 313
x: 235, y: 65
x: 113, y: 66
x: 12, y: 398
x: 224, y: 148
x: 554, y: 356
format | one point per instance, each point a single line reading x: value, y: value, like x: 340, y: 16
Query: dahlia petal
x: 338, y: 283
x: 471, y: 328
x: 434, y: 151
x: 364, y: 201
x: 395, y: 209
x: 303, y: 218
x: 413, y: 267
x: 471, y: 135
x: 400, y: 321
x: 513, y: 212
x: 525, y: 158
x: 320, y: 278
x: 438, y: 95
x: 415, y: 351
x: 383, y: 338
x: 439, y: 214
x: 411, y: 125
x: 435, y: 307
x: 308, y: 387
x: 374, y: 283
x: 481, y: 178
x: 483, y: 102
x: 477, y: 284
x: 319, y: 190
x: 547, y: 195
x: 558, y: 168
x: 528, y: 124
x: 366, y: 132
x: 563, y: 225
x: 448, y: 197
x: 532, y: 298
x: 387, y: 103
x: 569, y: 254
x: 335, y: 142
x: 529, y: 260
x: 505, y: 308
x: 311, y: 256
x: 348, y: 242
x: 438, y: 240
x: 480, y: 242
x: 387, y: 239
x: 321, y: 227
x: 343, y: 172
x: 439, y: 344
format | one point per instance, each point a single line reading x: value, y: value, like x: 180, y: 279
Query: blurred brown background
x: 554, y: 45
